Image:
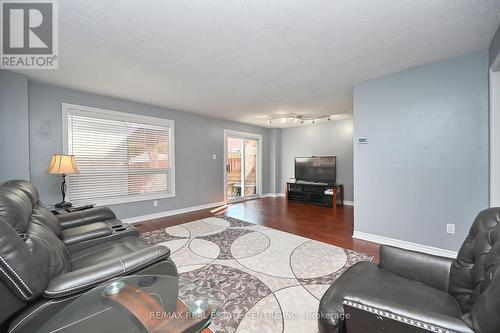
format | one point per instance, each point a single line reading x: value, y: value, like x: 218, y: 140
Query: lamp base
x: 63, y: 204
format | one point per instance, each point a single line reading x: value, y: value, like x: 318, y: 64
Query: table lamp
x: 63, y: 165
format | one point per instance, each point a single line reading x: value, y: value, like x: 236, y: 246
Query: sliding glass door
x: 234, y: 168
x: 242, y: 169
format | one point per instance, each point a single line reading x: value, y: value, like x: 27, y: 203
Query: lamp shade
x: 62, y: 164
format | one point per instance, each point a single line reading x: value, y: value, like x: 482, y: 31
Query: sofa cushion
x: 368, y: 279
x: 42, y: 215
x: 15, y: 209
x: 25, y: 186
x: 109, y: 250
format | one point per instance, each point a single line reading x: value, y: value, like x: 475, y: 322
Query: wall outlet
x: 155, y: 203
x: 450, y: 228
x: 363, y: 140
x: 214, y: 156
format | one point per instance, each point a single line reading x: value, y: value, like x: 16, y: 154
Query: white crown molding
x: 404, y: 244
x: 142, y: 218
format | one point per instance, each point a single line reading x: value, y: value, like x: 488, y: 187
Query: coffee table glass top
x: 139, y: 303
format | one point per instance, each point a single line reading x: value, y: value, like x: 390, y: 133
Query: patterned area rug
x: 265, y: 280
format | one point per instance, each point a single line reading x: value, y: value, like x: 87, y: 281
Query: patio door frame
x: 243, y: 136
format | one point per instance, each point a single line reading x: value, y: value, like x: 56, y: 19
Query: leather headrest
x: 26, y: 187
x: 15, y: 208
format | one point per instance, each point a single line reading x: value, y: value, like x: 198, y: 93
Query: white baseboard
x: 404, y: 244
x: 142, y: 218
x: 273, y: 195
x: 348, y: 203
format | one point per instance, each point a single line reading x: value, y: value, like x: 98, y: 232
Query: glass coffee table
x: 138, y: 303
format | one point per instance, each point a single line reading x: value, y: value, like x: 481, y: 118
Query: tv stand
x: 310, y: 183
x: 314, y: 194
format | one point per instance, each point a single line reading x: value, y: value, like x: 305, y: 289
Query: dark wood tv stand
x: 314, y: 194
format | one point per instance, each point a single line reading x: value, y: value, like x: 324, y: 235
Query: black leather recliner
x: 416, y: 292
x: 39, y: 274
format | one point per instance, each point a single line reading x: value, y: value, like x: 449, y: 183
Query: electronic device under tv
x: 316, y: 169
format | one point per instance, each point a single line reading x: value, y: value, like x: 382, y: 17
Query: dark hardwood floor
x: 319, y: 223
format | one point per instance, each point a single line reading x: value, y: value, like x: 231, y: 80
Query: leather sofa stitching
x: 15, y: 285
x: 50, y: 302
x: 71, y: 291
x: 64, y: 292
x: 28, y: 315
x: 124, y: 268
x: 14, y: 272
x: 399, y: 318
x: 458, y: 305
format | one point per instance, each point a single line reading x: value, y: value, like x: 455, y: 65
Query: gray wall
x: 494, y: 51
x: 199, y: 178
x: 426, y: 161
x: 333, y: 138
x: 276, y: 160
x: 14, y: 126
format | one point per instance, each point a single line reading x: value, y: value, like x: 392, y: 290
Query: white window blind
x: 121, y: 157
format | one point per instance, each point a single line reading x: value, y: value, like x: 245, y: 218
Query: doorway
x: 242, y: 166
x: 494, y: 138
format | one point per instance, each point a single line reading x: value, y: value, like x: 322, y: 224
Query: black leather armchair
x: 416, y: 292
x: 39, y: 275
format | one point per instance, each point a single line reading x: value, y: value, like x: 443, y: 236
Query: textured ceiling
x: 250, y: 61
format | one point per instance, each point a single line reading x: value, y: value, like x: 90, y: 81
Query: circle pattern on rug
x: 204, y: 248
x: 249, y: 244
x: 314, y: 259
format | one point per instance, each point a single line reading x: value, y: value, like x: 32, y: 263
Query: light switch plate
x: 214, y: 156
x: 450, y: 228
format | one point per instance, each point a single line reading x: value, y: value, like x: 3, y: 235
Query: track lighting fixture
x: 300, y: 119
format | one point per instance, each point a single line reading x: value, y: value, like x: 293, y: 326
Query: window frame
x: 70, y: 109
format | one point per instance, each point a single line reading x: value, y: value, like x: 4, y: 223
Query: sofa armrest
x: 375, y: 312
x: 88, y: 277
x: 428, y: 269
x: 83, y: 217
x: 71, y: 236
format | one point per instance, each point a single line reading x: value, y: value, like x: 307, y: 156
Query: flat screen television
x: 318, y: 169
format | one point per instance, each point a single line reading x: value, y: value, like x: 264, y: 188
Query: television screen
x: 316, y: 169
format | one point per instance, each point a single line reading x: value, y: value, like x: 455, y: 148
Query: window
x: 122, y: 157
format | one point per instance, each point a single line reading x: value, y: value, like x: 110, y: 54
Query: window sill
x: 124, y: 200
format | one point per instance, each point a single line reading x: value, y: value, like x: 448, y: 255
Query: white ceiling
x: 250, y: 61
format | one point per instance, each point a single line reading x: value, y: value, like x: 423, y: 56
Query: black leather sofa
x: 416, y: 292
x: 80, y: 229
x: 48, y: 261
